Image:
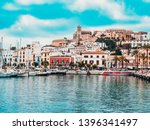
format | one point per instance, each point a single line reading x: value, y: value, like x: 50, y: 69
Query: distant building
x: 36, y: 52
x: 60, y: 61
x: 25, y: 56
x: 137, y: 43
x: 97, y: 57
x: 82, y: 35
x: 140, y: 36
x: 8, y: 58
x: 60, y: 42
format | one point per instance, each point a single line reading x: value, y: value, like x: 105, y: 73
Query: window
x: 91, y: 61
x: 97, y: 56
x: 85, y: 61
x: 97, y: 62
x: 103, y: 56
x: 91, y: 56
x: 85, y: 56
x: 103, y: 62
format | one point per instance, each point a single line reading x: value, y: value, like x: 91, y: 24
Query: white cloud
x: 10, y: 6
x: 111, y: 8
x: 146, y: 0
x: 30, y: 2
x: 31, y: 28
x: 142, y: 25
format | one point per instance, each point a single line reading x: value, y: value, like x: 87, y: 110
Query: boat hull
x: 116, y: 73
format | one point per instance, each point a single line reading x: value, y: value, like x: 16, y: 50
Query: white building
x: 97, y: 57
x: 8, y: 58
x: 137, y: 43
x: 141, y: 36
x: 36, y: 52
x: 25, y: 56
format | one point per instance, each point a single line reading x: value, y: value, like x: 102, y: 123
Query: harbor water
x: 74, y: 94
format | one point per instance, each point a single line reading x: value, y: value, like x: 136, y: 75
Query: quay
x: 142, y: 75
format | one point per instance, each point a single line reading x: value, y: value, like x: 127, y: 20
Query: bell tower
x: 79, y: 30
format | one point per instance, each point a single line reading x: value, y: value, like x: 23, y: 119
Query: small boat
x: 22, y: 73
x: 58, y: 72
x: 41, y: 72
x: 6, y: 73
x: 95, y: 72
x: 62, y: 72
x: 116, y: 73
x: 82, y: 72
x: 32, y: 73
x: 71, y: 72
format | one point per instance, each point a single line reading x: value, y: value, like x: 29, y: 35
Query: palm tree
x: 122, y: 60
x: 116, y: 59
x: 136, y: 54
x: 143, y: 57
x: 147, y: 47
x: 126, y: 61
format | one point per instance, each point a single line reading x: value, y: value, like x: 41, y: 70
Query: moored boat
x: 42, y: 73
x: 57, y: 71
x: 116, y: 73
x: 32, y: 73
x: 71, y: 72
x: 22, y: 73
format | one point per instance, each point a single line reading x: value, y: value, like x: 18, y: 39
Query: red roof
x: 95, y: 52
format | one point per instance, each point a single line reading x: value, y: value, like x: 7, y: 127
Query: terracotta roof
x: 95, y: 52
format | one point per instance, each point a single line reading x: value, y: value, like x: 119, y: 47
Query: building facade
x: 97, y: 57
x: 60, y: 61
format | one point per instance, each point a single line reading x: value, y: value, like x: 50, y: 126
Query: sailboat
x: 4, y: 73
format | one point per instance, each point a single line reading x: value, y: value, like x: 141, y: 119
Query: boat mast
x: 1, y: 55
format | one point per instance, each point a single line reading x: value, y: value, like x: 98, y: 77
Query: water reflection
x: 74, y: 94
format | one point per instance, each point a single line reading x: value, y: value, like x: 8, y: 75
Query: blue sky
x: 45, y: 20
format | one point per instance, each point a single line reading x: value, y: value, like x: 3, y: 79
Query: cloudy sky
x: 44, y: 20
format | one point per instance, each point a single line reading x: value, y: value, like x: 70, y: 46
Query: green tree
x: 45, y: 64
x: 110, y: 43
x: 72, y: 65
x: 116, y: 59
x: 81, y: 64
x: 135, y: 53
x: 122, y: 60
x: 143, y: 57
x: 95, y: 66
x: 35, y: 64
x: 147, y: 47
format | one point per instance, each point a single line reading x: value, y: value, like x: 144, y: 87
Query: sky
x: 45, y: 20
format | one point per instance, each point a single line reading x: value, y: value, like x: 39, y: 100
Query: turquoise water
x: 75, y: 94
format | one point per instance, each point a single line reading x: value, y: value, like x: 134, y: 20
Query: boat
x: 116, y: 73
x: 82, y: 72
x: 4, y: 74
x: 22, y: 73
x: 41, y: 72
x: 95, y: 72
x: 71, y: 72
x: 32, y: 73
x: 58, y: 72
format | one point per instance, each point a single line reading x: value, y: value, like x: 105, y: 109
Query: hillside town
x: 114, y: 48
